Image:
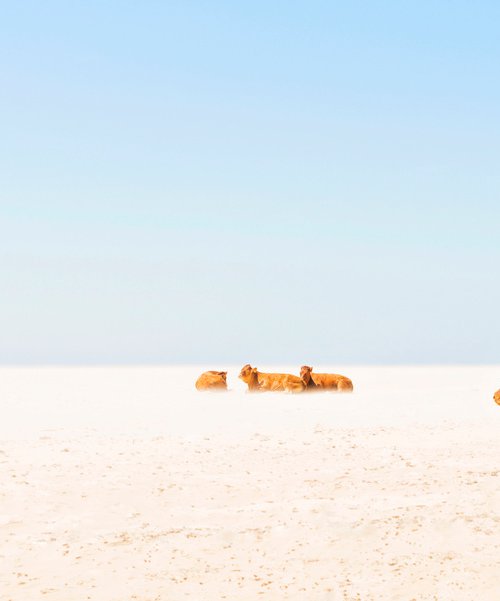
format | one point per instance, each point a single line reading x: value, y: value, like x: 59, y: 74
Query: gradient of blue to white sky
x: 223, y: 182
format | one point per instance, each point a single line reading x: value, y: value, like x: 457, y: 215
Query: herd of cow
x: 258, y: 381
x: 308, y: 381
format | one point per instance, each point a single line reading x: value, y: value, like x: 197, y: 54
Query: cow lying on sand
x: 212, y: 380
x: 260, y: 382
x: 496, y: 397
x: 314, y: 381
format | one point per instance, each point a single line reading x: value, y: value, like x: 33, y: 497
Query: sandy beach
x: 125, y: 483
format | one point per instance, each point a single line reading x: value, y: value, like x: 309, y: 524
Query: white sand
x: 125, y: 484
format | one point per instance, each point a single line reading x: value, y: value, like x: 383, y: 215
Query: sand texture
x: 121, y: 484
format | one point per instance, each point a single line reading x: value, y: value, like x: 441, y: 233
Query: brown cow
x: 325, y: 381
x: 212, y: 380
x: 260, y: 381
x: 496, y: 397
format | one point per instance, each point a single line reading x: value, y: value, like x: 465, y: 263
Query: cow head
x: 305, y: 374
x: 247, y: 373
x: 305, y: 370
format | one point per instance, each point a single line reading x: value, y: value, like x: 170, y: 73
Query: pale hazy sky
x: 223, y: 182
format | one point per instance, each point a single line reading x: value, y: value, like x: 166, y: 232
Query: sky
x: 266, y: 182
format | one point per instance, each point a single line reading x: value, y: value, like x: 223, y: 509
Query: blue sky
x: 265, y: 182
